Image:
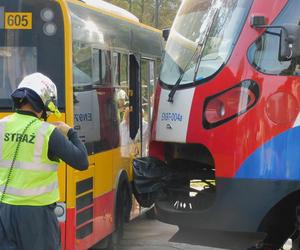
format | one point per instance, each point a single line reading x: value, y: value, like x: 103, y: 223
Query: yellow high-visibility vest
x: 33, y: 180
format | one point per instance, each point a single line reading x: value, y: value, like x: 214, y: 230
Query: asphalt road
x: 145, y: 234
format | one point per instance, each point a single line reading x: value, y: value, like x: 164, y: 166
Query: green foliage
x: 156, y: 13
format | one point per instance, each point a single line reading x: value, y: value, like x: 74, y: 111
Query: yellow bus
x: 104, y: 63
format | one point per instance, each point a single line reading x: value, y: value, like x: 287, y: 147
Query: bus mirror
x: 166, y: 33
x: 257, y: 21
x: 289, y: 44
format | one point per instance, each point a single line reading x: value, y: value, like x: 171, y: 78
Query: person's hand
x: 62, y: 127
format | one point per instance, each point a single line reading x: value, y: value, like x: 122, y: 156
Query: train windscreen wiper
x: 207, y: 33
x: 176, y: 85
x: 200, y: 47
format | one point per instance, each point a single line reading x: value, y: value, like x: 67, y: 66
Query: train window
x: 216, y: 26
x: 263, y: 53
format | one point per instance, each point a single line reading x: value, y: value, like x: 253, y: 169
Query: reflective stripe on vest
x: 36, y: 164
x: 32, y: 191
x: 29, y: 165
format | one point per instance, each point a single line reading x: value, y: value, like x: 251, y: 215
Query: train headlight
x: 229, y: 104
x: 49, y: 29
x: 47, y: 15
x: 282, y: 107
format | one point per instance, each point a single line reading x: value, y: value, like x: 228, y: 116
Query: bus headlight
x: 47, y: 15
x: 229, y: 104
x: 49, y: 29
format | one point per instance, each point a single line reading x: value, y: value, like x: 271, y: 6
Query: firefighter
x: 30, y: 150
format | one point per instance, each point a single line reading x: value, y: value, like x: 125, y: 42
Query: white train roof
x: 111, y: 8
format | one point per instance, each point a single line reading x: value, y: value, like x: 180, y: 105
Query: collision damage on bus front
x: 224, y: 149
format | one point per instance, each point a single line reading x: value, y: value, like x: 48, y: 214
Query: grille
x: 84, y: 208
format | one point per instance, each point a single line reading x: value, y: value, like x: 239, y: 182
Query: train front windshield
x: 202, y: 38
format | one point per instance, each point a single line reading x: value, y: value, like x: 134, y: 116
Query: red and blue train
x: 225, y: 148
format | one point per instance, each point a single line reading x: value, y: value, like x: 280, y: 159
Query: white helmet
x: 43, y: 87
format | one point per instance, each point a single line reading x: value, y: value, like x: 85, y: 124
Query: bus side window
x: 124, y: 71
x: 122, y: 97
x: 82, y: 64
x: 105, y: 68
x: 107, y: 105
x: 121, y: 84
x: 116, y: 68
x: 94, y: 107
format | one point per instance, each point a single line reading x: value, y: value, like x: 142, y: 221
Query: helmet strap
x: 44, y: 115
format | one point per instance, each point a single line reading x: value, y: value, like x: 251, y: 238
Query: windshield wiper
x: 176, y: 85
x: 207, y: 33
x: 200, y: 47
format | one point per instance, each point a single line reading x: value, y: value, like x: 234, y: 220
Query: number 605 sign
x: 18, y: 20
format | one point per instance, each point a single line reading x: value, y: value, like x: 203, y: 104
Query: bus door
x: 121, y: 86
x: 134, y: 93
x: 147, y: 96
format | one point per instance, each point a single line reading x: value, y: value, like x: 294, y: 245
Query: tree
x: 157, y: 13
x: 130, y: 5
x: 142, y: 6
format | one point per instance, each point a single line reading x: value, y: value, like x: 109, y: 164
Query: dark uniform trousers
x: 28, y: 228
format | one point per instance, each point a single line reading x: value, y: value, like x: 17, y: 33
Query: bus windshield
x: 214, y: 26
x: 15, y: 63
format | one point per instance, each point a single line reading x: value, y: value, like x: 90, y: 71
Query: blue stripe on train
x: 278, y: 159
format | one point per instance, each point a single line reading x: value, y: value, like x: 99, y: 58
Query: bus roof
x: 111, y: 8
